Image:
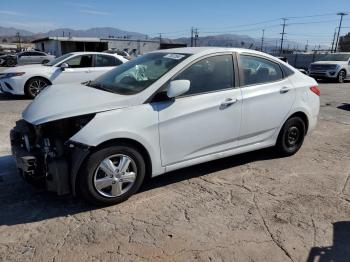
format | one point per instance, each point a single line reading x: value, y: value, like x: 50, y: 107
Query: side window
x: 210, y: 74
x: 80, y: 61
x: 23, y: 54
x: 106, y: 60
x: 258, y: 70
x: 33, y: 54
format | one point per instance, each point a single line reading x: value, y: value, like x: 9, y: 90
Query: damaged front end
x: 45, y: 155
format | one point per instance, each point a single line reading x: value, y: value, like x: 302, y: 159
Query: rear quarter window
x: 287, y: 71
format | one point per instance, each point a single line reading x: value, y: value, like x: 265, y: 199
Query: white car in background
x: 160, y: 112
x: 78, y: 67
x: 332, y: 66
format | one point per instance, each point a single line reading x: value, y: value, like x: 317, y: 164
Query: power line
x: 313, y: 22
x: 307, y: 16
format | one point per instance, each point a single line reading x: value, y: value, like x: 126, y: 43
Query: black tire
x: 291, y: 136
x: 341, y: 76
x: 10, y: 62
x: 45, y: 62
x: 86, y: 184
x: 29, y: 90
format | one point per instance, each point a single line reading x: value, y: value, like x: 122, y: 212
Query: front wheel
x: 341, y: 76
x: 291, y: 136
x: 111, y: 175
x: 34, y: 86
x: 11, y: 62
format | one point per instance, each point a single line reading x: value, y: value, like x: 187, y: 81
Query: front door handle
x: 284, y: 90
x: 228, y: 102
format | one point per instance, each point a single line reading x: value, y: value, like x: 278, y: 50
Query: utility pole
x: 262, y: 40
x: 195, y: 36
x: 333, y: 42
x: 341, y: 21
x: 307, y: 45
x: 283, y: 33
x: 18, y: 40
x: 276, y: 47
x: 160, y: 38
x: 191, y: 36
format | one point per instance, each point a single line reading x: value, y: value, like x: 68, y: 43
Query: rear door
x: 267, y: 95
x: 104, y: 63
x: 205, y: 120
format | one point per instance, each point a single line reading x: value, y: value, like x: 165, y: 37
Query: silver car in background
x: 25, y: 58
x: 33, y: 57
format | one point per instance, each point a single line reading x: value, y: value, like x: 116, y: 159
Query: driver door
x: 205, y: 120
x: 24, y: 58
x: 79, y: 70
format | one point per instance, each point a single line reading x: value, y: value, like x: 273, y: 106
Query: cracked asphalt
x: 250, y: 207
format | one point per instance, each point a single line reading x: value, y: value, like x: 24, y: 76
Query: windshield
x: 136, y: 75
x: 58, y: 59
x: 336, y: 57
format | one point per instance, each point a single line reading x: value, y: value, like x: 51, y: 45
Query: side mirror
x: 178, y: 87
x: 64, y: 66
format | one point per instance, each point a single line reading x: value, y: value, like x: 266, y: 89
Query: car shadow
x: 330, y: 81
x: 344, y: 106
x: 22, y: 203
x: 339, y: 251
x: 5, y: 97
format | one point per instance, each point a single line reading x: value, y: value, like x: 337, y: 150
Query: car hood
x: 69, y: 100
x: 27, y: 68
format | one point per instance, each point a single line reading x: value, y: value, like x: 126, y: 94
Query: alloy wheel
x: 341, y: 77
x: 115, y: 175
x: 36, y: 86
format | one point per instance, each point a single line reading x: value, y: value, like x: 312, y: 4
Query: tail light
x: 315, y: 90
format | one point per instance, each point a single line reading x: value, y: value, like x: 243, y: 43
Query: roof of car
x: 94, y: 53
x: 87, y: 53
x: 206, y: 49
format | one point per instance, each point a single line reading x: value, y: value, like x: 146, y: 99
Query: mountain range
x: 227, y: 40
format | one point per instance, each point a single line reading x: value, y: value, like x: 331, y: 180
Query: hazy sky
x: 175, y: 18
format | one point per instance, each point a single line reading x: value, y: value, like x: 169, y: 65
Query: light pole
x: 341, y: 21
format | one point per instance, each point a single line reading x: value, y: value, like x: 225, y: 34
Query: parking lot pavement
x: 251, y: 207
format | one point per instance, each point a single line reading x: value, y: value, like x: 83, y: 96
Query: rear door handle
x: 284, y: 90
x: 228, y: 102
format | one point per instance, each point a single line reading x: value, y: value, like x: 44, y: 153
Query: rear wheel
x: 341, y: 76
x: 34, y: 86
x: 111, y: 175
x: 291, y: 136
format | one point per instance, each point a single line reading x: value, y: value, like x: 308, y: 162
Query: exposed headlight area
x: 9, y: 75
x: 41, y: 151
x: 64, y: 129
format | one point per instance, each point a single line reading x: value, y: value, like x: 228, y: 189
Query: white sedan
x: 78, y: 67
x: 160, y: 112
